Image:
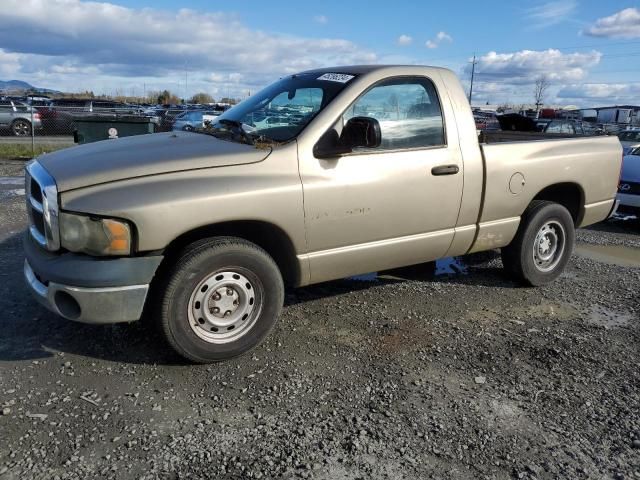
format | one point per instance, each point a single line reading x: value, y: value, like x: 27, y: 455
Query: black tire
x: 518, y: 257
x: 21, y: 128
x: 205, y: 261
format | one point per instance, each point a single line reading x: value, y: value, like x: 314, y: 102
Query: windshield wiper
x: 238, y: 129
x: 237, y: 133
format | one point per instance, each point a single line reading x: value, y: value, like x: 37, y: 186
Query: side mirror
x: 329, y: 146
x: 358, y: 132
x: 361, y: 132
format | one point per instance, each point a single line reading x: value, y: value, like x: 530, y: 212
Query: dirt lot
x: 459, y: 376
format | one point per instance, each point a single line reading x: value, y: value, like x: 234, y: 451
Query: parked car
x: 514, y: 122
x: 214, y: 223
x: 629, y: 187
x: 486, y: 121
x: 165, y: 117
x: 60, y: 115
x: 194, y: 119
x: 571, y: 127
x: 19, y: 118
x: 630, y: 140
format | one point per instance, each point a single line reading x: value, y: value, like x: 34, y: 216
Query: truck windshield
x: 282, y: 110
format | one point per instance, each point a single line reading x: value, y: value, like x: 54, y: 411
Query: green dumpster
x: 104, y: 127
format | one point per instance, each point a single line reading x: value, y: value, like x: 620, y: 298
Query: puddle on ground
x: 14, y: 192
x: 11, y: 180
x: 450, y: 266
x: 366, y: 277
x: 444, y: 266
x: 608, y: 318
x: 611, y: 254
x: 8, y: 187
x: 623, y: 217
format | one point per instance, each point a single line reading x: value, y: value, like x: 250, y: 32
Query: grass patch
x: 23, y: 151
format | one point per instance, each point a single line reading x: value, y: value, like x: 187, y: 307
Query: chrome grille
x: 42, y: 206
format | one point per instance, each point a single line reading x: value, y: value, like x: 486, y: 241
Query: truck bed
x: 518, y: 170
x: 503, y: 136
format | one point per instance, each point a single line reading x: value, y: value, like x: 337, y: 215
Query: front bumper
x: 87, y: 289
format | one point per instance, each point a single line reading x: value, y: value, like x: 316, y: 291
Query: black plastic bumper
x: 89, y: 272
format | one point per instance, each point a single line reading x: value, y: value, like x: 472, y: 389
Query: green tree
x: 167, y: 97
x: 201, y: 98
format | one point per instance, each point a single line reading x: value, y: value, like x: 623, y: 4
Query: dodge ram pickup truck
x: 323, y: 175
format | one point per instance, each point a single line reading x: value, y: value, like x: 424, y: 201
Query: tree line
x: 162, y: 97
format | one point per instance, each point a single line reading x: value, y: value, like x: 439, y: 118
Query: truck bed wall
x: 591, y: 163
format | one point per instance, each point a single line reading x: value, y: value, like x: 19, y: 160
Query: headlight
x: 94, y: 236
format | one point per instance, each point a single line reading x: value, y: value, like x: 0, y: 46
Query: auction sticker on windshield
x: 336, y: 77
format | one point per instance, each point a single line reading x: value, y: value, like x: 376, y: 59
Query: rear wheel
x: 542, y: 246
x: 222, y: 299
x: 21, y: 128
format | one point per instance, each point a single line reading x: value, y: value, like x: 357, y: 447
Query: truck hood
x: 143, y: 155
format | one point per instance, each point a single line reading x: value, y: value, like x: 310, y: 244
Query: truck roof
x: 363, y: 69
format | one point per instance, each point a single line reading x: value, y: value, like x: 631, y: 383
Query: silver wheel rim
x: 548, y: 246
x: 225, y: 305
x: 21, y: 129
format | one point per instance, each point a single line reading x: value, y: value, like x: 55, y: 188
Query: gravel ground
x: 459, y: 376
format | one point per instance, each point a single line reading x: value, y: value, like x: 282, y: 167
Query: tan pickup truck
x: 322, y: 175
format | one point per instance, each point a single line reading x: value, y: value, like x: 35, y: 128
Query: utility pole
x: 473, y: 71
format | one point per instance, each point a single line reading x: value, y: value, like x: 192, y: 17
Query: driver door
x: 389, y: 206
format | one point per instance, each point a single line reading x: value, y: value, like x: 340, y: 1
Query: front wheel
x: 222, y: 298
x: 542, y: 246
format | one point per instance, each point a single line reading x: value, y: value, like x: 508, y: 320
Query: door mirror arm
x: 330, y: 146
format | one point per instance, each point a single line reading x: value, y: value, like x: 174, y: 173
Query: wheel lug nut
x: 215, y: 310
x: 229, y: 291
x: 216, y: 296
x: 235, y: 303
x: 227, y: 313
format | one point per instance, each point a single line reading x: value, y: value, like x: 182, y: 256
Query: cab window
x: 408, y: 110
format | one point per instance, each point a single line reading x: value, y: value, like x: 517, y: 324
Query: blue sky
x: 588, y: 50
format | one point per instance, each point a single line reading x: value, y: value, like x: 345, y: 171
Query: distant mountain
x: 16, y: 85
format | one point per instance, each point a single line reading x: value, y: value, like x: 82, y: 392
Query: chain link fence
x: 32, y: 126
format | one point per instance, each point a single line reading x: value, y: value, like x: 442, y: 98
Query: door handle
x: 445, y: 170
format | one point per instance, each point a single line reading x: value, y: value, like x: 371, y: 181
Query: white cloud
x: 526, y: 65
x: 551, y: 13
x: 623, y: 24
x: 404, y: 40
x: 233, y: 77
x: 9, y: 64
x: 611, y: 92
x: 440, y: 37
x: 443, y: 36
x: 73, y: 36
x: 321, y: 19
